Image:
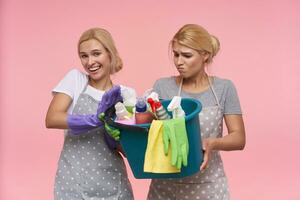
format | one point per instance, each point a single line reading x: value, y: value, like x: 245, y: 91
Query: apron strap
x: 213, y: 91
x: 180, y: 86
x: 86, y: 85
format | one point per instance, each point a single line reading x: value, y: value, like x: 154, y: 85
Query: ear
x: 205, y: 57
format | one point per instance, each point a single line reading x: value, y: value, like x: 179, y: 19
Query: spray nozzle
x: 175, y: 107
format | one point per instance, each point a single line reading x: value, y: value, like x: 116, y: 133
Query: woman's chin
x: 96, y: 76
x: 184, y: 75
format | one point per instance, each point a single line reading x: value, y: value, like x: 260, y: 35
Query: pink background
x: 259, y: 53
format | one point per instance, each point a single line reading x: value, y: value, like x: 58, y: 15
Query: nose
x: 90, y: 60
x: 178, y: 61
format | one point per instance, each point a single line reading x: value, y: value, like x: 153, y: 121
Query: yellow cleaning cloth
x: 155, y: 159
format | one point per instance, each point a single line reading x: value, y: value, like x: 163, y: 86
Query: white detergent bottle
x: 121, y: 111
x: 175, y: 107
x: 129, y: 98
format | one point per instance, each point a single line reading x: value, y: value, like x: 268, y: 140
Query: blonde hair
x: 105, y: 38
x: 197, y: 38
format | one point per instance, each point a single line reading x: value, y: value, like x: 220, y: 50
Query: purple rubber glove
x: 110, y: 98
x: 79, y: 124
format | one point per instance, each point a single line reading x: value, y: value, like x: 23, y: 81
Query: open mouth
x: 94, y: 68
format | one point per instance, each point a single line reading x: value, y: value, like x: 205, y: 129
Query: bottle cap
x: 141, y: 105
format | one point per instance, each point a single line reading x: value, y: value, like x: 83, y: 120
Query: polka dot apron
x: 210, y: 183
x: 87, y: 168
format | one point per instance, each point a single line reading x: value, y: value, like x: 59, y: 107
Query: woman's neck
x: 102, y: 84
x: 196, y: 81
x: 195, y: 84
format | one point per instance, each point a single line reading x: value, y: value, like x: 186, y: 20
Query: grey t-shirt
x: 225, y: 90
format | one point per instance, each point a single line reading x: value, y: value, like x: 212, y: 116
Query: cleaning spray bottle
x: 129, y: 99
x: 175, y: 107
x: 122, y: 112
x: 123, y: 116
x: 158, y: 109
x: 161, y: 112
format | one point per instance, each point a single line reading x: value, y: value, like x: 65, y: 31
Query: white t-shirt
x: 73, y: 84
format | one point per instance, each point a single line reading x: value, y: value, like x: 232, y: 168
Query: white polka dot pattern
x: 209, y: 184
x: 87, y: 169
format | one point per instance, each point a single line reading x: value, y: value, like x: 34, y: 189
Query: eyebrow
x: 185, y: 53
x: 94, y: 50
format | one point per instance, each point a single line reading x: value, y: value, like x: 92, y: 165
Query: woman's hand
x: 207, y: 145
x: 234, y: 140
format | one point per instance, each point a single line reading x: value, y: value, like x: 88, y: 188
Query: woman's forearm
x: 57, y: 120
x: 232, y: 141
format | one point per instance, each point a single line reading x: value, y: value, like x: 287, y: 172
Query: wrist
x: 214, y: 142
